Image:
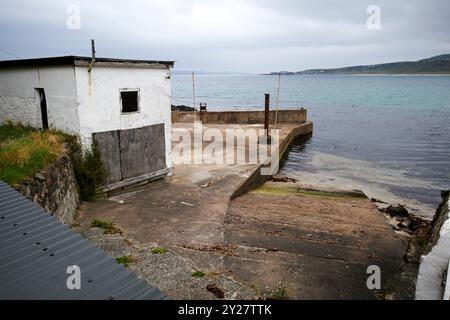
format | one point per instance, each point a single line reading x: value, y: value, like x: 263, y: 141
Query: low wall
x: 435, y: 263
x: 240, y: 117
x: 54, y: 189
x: 256, y: 178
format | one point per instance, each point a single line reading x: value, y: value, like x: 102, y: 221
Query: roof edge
x: 80, y: 60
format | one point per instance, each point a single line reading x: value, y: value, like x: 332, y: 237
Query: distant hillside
x: 434, y: 65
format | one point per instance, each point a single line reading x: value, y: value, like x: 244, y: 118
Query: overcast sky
x: 235, y: 35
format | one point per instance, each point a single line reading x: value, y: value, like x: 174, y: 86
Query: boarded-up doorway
x: 133, y: 152
x: 40, y: 93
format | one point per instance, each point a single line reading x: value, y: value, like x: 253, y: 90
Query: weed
x: 108, y: 227
x: 159, y: 250
x: 281, y: 293
x: 125, y: 260
x: 198, y: 274
x: 90, y: 171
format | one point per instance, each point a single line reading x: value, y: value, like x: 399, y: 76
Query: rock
x: 397, y: 210
x: 377, y: 200
x: 382, y: 207
x: 404, y: 224
x: 182, y: 108
x: 214, y: 289
x: 418, y: 224
x: 54, y: 189
x: 39, y: 176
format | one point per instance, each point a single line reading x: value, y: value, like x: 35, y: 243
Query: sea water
x: 386, y: 135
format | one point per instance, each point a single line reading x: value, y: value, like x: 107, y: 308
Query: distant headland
x: 435, y: 65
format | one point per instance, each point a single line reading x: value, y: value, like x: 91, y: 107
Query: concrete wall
x: 19, y: 102
x: 54, y: 189
x: 256, y: 178
x: 99, y: 100
x: 434, y: 264
x: 240, y: 117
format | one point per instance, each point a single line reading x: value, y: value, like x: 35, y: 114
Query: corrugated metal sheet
x: 36, y: 249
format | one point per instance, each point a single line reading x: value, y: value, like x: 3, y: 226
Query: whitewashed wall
x: 433, y: 266
x: 99, y: 106
x: 18, y: 100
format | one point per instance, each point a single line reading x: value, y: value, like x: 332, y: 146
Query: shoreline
x: 414, y: 207
x: 367, y: 74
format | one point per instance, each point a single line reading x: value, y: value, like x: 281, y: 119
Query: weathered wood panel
x: 109, y: 145
x: 156, y: 147
x: 142, y: 150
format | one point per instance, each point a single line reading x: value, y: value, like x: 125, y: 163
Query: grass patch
x: 198, y: 274
x: 125, y: 260
x: 159, y: 250
x: 24, y: 151
x: 108, y: 227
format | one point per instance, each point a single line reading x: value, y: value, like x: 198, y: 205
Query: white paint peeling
x: 433, y: 267
x: 19, y: 102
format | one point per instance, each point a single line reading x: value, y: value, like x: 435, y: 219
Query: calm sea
x: 386, y: 135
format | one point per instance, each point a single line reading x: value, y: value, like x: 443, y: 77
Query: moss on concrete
x: 125, y: 260
x: 282, y: 189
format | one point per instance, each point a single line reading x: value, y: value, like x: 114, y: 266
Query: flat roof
x: 81, y: 60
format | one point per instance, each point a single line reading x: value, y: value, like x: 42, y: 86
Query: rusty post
x: 266, y: 113
x: 91, y: 64
x: 93, y: 49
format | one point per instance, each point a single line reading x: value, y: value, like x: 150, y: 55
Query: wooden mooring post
x: 266, y: 137
x: 266, y: 114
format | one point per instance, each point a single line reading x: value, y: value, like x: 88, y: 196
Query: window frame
x: 138, y: 100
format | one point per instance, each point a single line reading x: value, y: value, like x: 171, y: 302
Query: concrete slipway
x: 276, y: 241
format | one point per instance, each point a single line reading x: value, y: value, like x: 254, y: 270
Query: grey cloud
x: 245, y: 35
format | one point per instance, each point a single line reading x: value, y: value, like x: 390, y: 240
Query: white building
x: 122, y: 104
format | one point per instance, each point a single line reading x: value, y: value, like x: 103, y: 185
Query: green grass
x: 159, y: 250
x: 108, y: 227
x: 125, y: 260
x: 198, y: 274
x: 24, y: 151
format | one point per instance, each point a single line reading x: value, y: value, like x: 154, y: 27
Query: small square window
x: 129, y: 100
